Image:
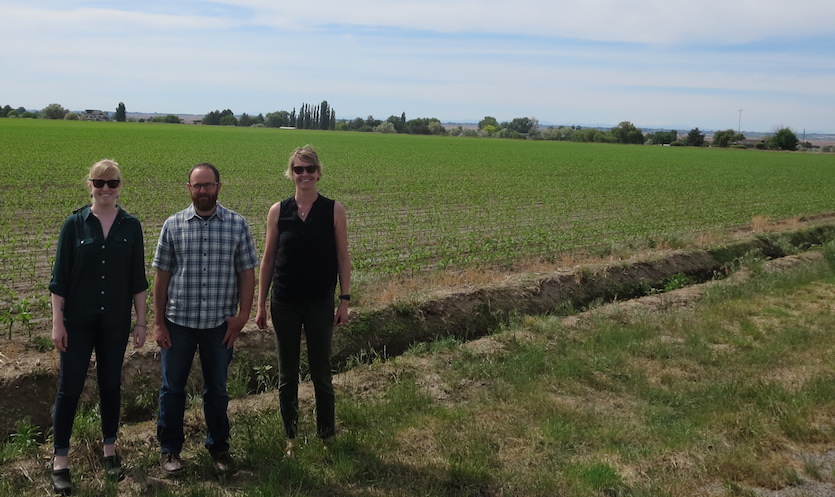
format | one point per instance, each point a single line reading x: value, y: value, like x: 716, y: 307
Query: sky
x: 713, y: 64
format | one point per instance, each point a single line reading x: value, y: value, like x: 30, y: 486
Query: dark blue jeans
x: 176, y: 365
x: 110, y: 344
x: 316, y: 317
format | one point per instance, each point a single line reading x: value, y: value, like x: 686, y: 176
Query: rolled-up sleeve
x: 62, y: 267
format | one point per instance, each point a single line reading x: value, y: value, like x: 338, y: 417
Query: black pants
x: 316, y: 318
x: 109, y: 344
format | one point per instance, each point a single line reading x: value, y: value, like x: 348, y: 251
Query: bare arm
x: 343, y: 259
x: 246, y: 292
x: 265, y: 274
x: 161, y: 281
x: 140, y: 331
x: 59, y: 331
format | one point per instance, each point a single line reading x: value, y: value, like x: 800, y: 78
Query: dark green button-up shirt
x: 99, y: 276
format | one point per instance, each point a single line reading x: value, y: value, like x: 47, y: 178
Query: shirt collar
x: 220, y: 213
x: 87, y: 211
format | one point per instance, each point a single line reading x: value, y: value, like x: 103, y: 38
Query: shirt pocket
x: 85, y: 245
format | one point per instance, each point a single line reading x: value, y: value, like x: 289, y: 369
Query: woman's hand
x: 341, y: 315
x: 261, y: 317
x: 59, y: 336
x: 140, y: 333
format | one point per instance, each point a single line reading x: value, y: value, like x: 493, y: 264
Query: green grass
x: 735, y: 392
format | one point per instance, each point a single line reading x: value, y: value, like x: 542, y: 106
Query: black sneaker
x: 113, y: 470
x: 61, y: 482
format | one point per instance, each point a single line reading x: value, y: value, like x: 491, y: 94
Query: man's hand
x: 162, y: 336
x: 234, y: 325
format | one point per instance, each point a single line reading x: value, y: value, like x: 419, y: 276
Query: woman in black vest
x: 305, y: 254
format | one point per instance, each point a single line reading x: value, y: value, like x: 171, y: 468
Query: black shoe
x: 113, y: 470
x: 61, y: 483
x: 170, y: 463
x: 222, y: 461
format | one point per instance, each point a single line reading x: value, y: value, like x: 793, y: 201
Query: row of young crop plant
x: 414, y: 203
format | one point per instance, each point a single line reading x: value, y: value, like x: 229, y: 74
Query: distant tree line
x: 323, y: 117
x: 320, y: 116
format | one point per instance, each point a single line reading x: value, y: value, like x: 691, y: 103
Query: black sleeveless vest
x: 305, y: 264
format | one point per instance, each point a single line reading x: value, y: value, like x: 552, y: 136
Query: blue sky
x: 593, y: 62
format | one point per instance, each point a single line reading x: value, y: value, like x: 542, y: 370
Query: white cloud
x: 571, y: 62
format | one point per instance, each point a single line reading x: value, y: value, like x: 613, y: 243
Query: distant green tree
x: 662, y: 137
x: 229, y: 120
x: 54, y: 111
x: 783, y: 139
x: 211, y: 118
x: 386, y: 127
x: 522, y: 125
x: 121, y: 113
x: 626, y: 132
x: 29, y: 115
x: 694, y: 138
x: 425, y: 126
x: 4, y: 112
x: 488, y: 121
x: 726, y: 138
x: 246, y: 120
x: 278, y: 119
x: 398, y: 123
x: 168, y: 119
x: 324, y: 115
x: 71, y: 116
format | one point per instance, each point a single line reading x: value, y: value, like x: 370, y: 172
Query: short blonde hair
x: 105, y: 168
x: 306, y: 153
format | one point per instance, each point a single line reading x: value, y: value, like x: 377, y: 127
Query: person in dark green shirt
x: 99, y: 272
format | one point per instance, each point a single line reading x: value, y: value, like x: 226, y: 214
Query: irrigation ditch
x: 28, y: 379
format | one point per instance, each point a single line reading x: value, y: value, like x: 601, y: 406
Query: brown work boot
x: 170, y: 463
x: 222, y: 461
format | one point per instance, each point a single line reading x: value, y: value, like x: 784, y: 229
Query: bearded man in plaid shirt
x: 203, y: 293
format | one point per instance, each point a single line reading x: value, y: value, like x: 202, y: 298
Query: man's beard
x: 204, y: 202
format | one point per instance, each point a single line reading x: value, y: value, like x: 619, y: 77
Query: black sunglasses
x: 99, y: 183
x: 309, y: 169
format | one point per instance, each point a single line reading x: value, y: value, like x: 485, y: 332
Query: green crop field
x: 414, y: 202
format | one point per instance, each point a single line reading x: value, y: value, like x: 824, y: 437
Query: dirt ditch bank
x: 28, y: 379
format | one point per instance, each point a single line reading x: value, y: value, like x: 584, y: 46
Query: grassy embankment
x: 734, y: 393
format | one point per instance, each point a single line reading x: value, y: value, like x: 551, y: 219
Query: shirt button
x: 102, y: 307
x: 102, y: 261
x: 102, y: 246
x: 102, y: 292
x: 102, y: 276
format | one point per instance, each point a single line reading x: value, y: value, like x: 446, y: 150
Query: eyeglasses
x: 99, y: 183
x: 204, y: 186
x: 309, y: 169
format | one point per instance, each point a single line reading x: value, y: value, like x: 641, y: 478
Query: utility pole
x: 739, y: 126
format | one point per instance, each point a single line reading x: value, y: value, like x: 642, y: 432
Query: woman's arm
x: 59, y: 331
x: 267, y: 269
x: 140, y: 331
x: 343, y: 259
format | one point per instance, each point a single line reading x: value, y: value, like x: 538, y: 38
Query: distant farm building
x: 94, y: 115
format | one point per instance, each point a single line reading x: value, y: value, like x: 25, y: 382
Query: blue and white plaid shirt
x: 204, y: 257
